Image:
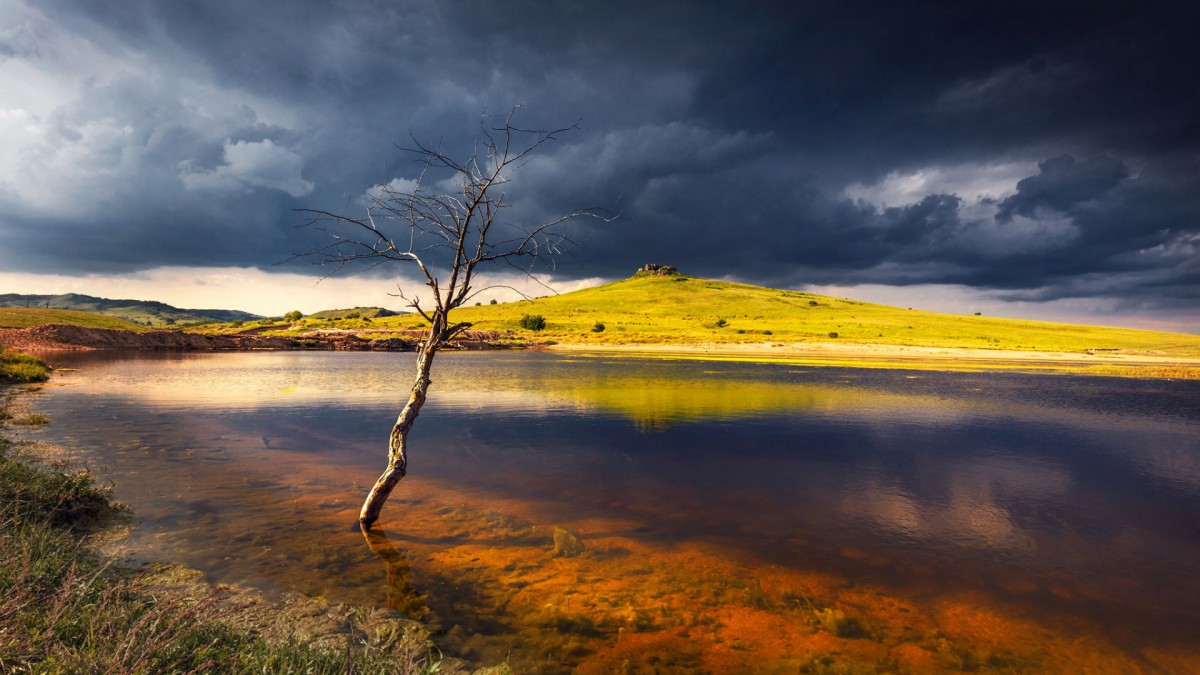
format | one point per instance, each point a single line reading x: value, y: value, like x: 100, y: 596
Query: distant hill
x: 143, y: 312
x: 20, y: 317
x: 354, y: 313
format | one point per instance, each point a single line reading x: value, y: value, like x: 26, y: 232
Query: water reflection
x: 398, y: 575
x: 729, y: 513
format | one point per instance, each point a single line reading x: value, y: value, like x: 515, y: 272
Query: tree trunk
x: 398, y: 441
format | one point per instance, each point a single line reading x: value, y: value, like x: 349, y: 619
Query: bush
x: 598, y: 328
x: 492, y: 302
x: 293, y: 316
x: 833, y: 334
x: 533, y: 322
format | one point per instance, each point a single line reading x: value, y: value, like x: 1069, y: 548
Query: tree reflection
x: 400, y: 594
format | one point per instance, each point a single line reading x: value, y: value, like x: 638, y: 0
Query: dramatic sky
x: 1037, y: 159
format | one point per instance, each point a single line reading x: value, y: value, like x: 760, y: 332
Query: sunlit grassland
x: 24, y: 318
x: 661, y: 312
x: 688, y: 311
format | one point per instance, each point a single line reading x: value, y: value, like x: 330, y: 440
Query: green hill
x: 145, y: 312
x: 687, y: 311
x: 354, y: 313
x: 19, y: 317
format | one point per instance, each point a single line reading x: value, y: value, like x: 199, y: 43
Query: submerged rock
x: 566, y: 542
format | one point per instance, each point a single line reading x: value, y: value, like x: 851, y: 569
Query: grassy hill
x: 145, y: 312
x: 679, y: 310
x: 687, y: 312
x: 11, y: 317
x: 353, y: 313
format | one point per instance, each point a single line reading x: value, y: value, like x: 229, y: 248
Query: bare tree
x: 456, y: 230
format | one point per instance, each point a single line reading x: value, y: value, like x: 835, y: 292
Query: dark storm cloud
x: 1062, y: 183
x: 751, y: 140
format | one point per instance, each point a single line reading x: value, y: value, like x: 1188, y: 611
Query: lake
x: 593, y: 513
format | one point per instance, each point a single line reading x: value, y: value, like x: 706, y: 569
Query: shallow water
x: 732, y: 516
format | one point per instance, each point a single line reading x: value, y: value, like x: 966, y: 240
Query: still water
x: 598, y: 513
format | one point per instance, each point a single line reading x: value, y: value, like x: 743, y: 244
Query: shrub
x: 833, y: 334
x: 599, y: 327
x: 492, y: 302
x: 293, y: 316
x: 533, y: 322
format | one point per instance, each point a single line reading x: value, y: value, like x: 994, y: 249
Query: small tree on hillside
x: 448, y: 235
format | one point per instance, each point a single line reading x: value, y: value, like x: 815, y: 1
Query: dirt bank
x: 52, y: 337
x: 76, y: 338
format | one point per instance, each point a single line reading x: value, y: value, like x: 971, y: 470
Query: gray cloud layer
x: 789, y: 143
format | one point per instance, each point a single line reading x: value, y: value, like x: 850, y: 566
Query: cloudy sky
x: 1037, y: 159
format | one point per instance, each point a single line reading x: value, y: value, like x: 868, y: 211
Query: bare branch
x: 459, y: 231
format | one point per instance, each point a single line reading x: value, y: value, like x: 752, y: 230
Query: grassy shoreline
x: 65, y: 607
x: 19, y: 368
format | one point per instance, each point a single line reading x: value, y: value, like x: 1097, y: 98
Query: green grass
x: 12, y: 317
x: 17, y: 367
x: 353, y: 313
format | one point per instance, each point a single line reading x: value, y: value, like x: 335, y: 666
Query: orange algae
x: 483, y: 572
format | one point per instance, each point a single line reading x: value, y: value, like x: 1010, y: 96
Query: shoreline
x: 1115, y: 362
x: 290, y: 629
x: 907, y: 357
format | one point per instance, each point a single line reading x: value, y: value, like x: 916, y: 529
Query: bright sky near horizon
x: 1032, y: 159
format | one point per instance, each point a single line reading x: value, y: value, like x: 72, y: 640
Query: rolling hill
x: 675, y: 311
x: 689, y: 311
x: 144, y: 312
x: 21, y: 317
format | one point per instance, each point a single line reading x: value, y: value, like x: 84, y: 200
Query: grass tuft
x: 18, y: 367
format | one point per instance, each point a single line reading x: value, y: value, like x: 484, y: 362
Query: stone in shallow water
x: 566, y: 542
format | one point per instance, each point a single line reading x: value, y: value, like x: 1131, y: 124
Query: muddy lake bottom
x: 592, y: 514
